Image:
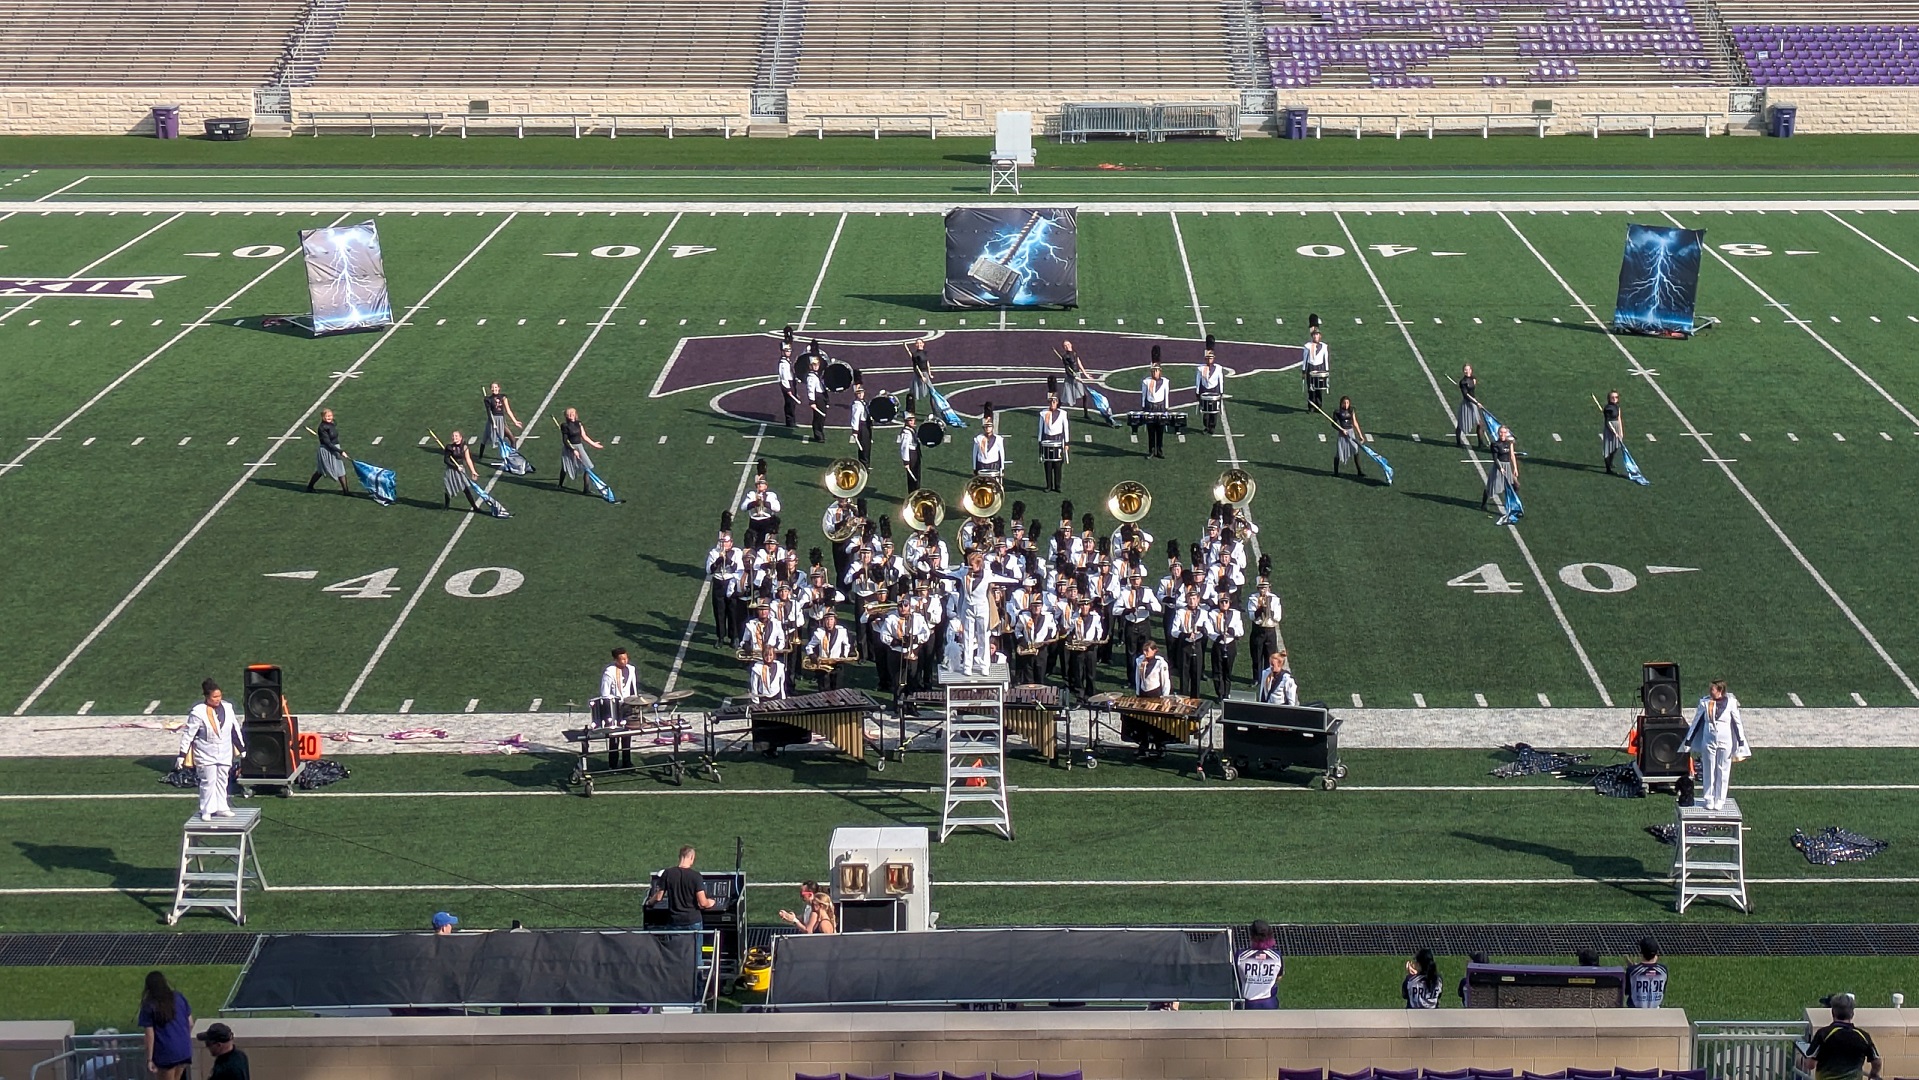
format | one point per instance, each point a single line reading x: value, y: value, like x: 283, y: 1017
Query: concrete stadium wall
x: 96, y: 111
x: 25, y: 1043
x: 1193, y: 1045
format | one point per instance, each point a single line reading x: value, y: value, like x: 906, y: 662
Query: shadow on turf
x: 549, y: 771
x: 300, y: 486
x: 1594, y: 867
x: 910, y: 301
x: 100, y: 860
x: 1583, y: 328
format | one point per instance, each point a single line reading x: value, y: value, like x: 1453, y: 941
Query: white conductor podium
x: 217, y: 859
x: 1012, y: 147
x: 1709, y: 856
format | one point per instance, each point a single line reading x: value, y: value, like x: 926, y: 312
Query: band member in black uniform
x: 573, y: 443
x: 1054, y: 436
x: 1350, y: 435
x: 1467, y: 418
x: 816, y: 398
x: 499, y: 413
x: 1209, y: 381
x: 921, y: 390
x: 1505, y: 470
x: 329, y: 459
x: 789, y: 379
x: 1155, y: 396
x: 459, y: 470
x: 1316, y: 366
x: 861, y: 421
x: 909, y: 446
x: 1612, y: 432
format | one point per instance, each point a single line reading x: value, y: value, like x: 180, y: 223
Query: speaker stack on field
x: 272, y: 756
x: 1661, y: 726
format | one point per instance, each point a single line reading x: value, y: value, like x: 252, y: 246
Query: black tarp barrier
x: 549, y: 967
x: 959, y: 967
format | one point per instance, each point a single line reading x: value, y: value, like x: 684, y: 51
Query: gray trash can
x: 1784, y: 119
x: 166, y: 121
x: 1292, y: 124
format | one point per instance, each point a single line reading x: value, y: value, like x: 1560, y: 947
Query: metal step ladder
x: 1709, y: 856
x: 217, y: 859
x: 975, y: 745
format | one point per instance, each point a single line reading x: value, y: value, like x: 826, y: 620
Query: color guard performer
x: 1073, y: 391
x: 1505, y: 470
x: 1276, y: 684
x: 459, y: 475
x: 922, y: 387
x: 1317, y: 365
x: 860, y: 419
x: 789, y: 380
x: 766, y: 681
x: 828, y: 649
x: 329, y: 459
x: 1155, y: 396
x: 211, y: 734
x: 816, y: 399
x: 619, y: 681
x: 909, y: 447
x: 573, y: 459
x: 761, y: 507
x: 1467, y: 417
x: 1718, y: 735
x: 1612, y: 432
x: 1054, y: 436
x: 989, y: 449
x: 1350, y: 435
x: 499, y: 413
x: 1209, y: 382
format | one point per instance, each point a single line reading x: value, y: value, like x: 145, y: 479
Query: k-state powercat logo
x: 129, y: 288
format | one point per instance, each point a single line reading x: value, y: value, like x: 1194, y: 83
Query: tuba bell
x: 1235, y: 488
x: 982, y: 496
x: 1129, y: 501
x: 922, y: 510
x: 845, y: 478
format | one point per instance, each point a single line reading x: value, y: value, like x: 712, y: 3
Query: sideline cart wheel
x: 880, y: 765
x: 1228, y: 772
x: 1327, y: 782
x: 586, y: 787
x: 1339, y: 772
x: 1091, y: 762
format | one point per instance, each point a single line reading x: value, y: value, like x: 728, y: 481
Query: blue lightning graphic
x: 1658, y: 279
x: 1025, y: 261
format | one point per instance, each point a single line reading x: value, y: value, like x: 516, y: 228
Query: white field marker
x: 1479, y: 700
x: 1419, y: 701
x: 1796, y: 703
x: 472, y: 704
x: 406, y: 706
x: 152, y: 707
x: 1857, y: 700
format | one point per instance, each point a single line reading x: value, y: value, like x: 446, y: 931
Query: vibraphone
x: 837, y: 715
x: 656, y: 741
x: 1150, y: 721
x: 1171, y: 420
x: 1258, y: 734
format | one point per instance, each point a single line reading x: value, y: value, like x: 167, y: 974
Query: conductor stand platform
x: 217, y: 858
x: 975, y: 754
x: 1004, y: 176
x: 1709, y: 856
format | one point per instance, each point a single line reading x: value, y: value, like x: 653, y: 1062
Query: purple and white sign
x: 128, y: 288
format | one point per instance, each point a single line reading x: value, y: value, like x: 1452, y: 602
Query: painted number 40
x: 479, y: 583
x: 1592, y: 577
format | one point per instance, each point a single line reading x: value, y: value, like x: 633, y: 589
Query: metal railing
x: 1747, y: 1049
x: 113, y: 1056
x: 1148, y: 123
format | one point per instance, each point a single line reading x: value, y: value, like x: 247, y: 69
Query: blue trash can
x: 1784, y: 119
x: 1292, y: 124
x: 166, y: 121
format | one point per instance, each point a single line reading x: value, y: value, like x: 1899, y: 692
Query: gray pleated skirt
x: 1609, y: 441
x: 1496, y: 483
x: 455, y: 481
x: 1348, y: 447
x: 573, y: 461
x: 1468, y: 421
x: 329, y: 462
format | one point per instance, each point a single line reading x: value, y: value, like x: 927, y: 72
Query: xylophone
x: 1178, y: 718
x: 1169, y: 419
x: 1033, y: 713
x: 838, y: 715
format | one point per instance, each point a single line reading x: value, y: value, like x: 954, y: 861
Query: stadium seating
x: 1420, y: 43
x: 1785, y: 43
x: 127, y: 43
x: 1016, y: 44
x: 547, y: 43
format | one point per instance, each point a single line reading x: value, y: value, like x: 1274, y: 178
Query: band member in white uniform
x: 816, y: 399
x: 1036, y: 630
x: 1151, y: 679
x: 1276, y: 684
x: 1316, y: 367
x: 767, y: 682
x: 989, y: 451
x: 789, y: 380
x: 830, y: 641
x: 620, y: 680
x: 211, y: 734
x: 1263, y: 612
x: 860, y: 419
x: 1155, y: 396
x: 762, y: 509
x: 1088, y: 634
x: 1209, y: 382
x: 1054, y: 436
x: 726, y: 566
x: 1718, y: 735
x: 975, y: 600
x: 908, y: 441
x: 1224, y: 629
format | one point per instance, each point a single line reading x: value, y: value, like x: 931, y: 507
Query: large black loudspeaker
x: 263, y: 694
x: 272, y: 736
x: 1659, y: 689
x: 1659, y: 741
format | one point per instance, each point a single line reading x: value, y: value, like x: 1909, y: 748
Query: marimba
x: 839, y: 716
x: 1033, y: 713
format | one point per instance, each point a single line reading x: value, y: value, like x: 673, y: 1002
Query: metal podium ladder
x: 217, y: 858
x: 975, y: 737
x: 1709, y: 856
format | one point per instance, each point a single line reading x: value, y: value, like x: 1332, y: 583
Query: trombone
x: 1129, y: 501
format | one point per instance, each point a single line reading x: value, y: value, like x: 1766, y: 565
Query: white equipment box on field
x: 881, y: 879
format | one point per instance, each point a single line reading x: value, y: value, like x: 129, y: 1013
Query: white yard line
x: 1545, y: 588
x: 812, y: 298
x: 29, y: 302
x: 1873, y: 242
x: 148, y: 359
x: 1199, y: 323
x: 1715, y: 458
x: 246, y: 478
x: 1806, y: 324
x: 532, y: 423
x: 49, y: 195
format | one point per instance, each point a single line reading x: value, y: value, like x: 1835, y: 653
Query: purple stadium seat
x: 1530, y: 1075
x: 1684, y: 1074
x: 1573, y: 1074
x: 1446, y: 1074
x: 957, y: 1076
x: 881, y: 1076
x: 1302, y: 1074
x: 1635, y: 1074
x: 1074, y: 1075
x: 1363, y: 1074
x: 1016, y: 1076
x: 1395, y: 1074
x: 1492, y: 1074
x: 816, y: 1076
x: 916, y: 1076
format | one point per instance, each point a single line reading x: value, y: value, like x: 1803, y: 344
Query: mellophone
x: 837, y: 715
x: 1162, y: 418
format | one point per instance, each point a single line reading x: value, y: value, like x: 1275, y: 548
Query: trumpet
x: 1129, y: 501
x: 982, y: 496
x: 922, y: 510
x: 1235, y: 488
x: 825, y: 663
x: 845, y: 478
x: 1034, y: 648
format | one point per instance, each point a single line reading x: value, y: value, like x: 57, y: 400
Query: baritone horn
x: 845, y: 478
x: 1129, y: 501
x: 982, y: 496
x: 922, y: 510
x: 1235, y: 488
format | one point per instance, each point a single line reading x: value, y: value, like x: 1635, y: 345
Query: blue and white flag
x: 379, y: 483
x: 948, y: 416
x: 1380, y: 461
x: 1632, y: 468
x: 1491, y: 423
x: 1514, y: 508
x: 600, y: 486
x: 1102, y: 406
x: 513, y: 461
x: 487, y: 502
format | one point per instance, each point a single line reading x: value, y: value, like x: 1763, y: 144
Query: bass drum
x: 884, y: 409
x: 839, y: 377
x: 932, y: 433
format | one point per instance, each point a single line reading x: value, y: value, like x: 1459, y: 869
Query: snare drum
x: 1052, y: 450
x: 604, y: 711
x: 1209, y: 403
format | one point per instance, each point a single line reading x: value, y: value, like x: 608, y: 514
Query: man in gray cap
x: 1840, y: 1051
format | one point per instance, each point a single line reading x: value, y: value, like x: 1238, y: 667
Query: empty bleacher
x: 1014, y: 45
x: 1420, y: 43
x: 546, y: 43
x: 133, y: 43
x: 1868, y: 43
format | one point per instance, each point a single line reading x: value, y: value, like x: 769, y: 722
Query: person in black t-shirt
x: 228, y: 1062
x: 1646, y: 980
x: 684, y: 891
x: 1840, y: 1051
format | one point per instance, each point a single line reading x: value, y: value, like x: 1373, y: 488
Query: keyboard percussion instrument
x: 838, y: 716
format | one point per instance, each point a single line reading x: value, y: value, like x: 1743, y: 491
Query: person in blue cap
x: 444, y: 922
